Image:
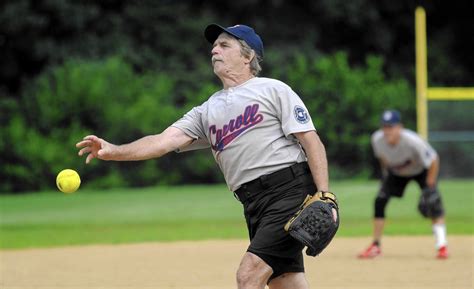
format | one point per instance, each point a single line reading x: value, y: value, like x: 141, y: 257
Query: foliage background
x: 123, y: 69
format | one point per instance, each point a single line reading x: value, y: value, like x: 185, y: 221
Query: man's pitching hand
x: 95, y: 147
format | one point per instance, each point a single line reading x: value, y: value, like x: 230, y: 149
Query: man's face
x: 226, y: 56
x: 391, y: 133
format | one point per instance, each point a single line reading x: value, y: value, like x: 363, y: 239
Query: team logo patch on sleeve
x: 301, y: 115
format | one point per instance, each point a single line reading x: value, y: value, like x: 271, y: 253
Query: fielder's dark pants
x: 394, y: 186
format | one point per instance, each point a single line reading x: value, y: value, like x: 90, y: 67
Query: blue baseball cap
x: 239, y: 31
x: 391, y: 117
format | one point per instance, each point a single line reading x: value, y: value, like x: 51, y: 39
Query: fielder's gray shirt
x: 407, y: 158
x: 249, y: 129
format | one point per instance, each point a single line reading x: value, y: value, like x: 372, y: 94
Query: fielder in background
x: 405, y: 156
x: 264, y: 141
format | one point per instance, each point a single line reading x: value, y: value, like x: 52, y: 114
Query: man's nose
x: 215, y: 50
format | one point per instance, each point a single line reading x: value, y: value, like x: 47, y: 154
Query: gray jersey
x: 407, y: 158
x: 249, y: 129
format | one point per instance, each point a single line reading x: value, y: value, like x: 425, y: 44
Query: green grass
x: 198, y: 212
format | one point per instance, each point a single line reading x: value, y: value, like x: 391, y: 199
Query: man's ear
x: 251, y: 56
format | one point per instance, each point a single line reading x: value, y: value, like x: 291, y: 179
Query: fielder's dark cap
x: 391, y: 117
x: 242, y: 32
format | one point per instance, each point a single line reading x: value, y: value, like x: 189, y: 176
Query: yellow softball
x: 68, y: 181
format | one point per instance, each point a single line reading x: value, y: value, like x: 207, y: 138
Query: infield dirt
x: 408, y: 262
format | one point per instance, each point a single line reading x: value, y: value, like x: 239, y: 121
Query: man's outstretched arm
x: 148, y: 147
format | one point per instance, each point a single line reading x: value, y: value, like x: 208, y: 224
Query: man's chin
x: 392, y: 141
x: 218, y: 69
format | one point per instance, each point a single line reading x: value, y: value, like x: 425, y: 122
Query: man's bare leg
x: 253, y: 272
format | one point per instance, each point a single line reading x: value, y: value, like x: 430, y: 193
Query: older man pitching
x: 264, y: 141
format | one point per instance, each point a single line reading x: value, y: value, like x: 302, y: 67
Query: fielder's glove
x: 430, y: 205
x: 313, y: 224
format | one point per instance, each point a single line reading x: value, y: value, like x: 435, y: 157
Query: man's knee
x: 246, y: 278
x: 253, y: 272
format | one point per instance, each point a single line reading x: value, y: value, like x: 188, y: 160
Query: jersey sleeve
x: 192, y: 124
x: 425, y: 152
x: 292, y: 112
x: 375, y: 141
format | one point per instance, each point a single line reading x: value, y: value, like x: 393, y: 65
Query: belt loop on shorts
x: 236, y: 196
x: 294, y: 169
x: 242, y: 194
x: 264, y: 181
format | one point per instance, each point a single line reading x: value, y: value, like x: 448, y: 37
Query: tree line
x: 122, y: 69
